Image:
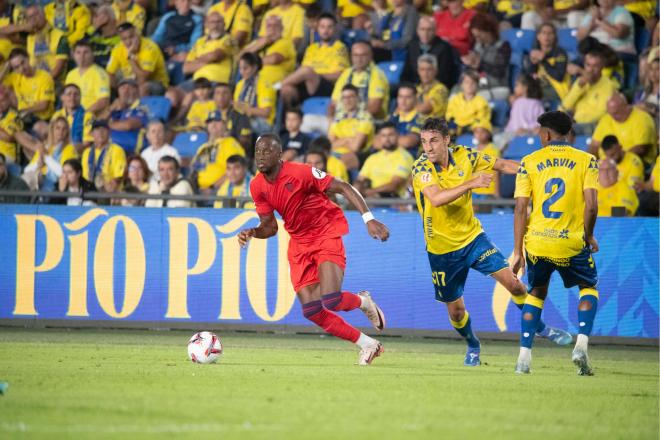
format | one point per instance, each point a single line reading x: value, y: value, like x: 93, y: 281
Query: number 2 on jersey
x: 554, y: 196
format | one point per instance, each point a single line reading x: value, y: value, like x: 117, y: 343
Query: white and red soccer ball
x: 204, y: 348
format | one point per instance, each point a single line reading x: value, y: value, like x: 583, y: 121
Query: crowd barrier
x: 185, y: 265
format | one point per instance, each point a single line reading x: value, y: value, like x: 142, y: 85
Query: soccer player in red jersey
x: 316, y: 254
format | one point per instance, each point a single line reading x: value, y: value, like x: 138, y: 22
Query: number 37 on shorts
x: 438, y: 278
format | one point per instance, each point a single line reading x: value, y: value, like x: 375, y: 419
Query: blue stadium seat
x: 520, y: 40
x: 500, y: 112
x: 130, y: 141
x: 521, y: 146
x: 317, y: 105
x: 187, y: 143
x: 582, y: 142
x: 567, y: 39
x: 350, y: 36
x: 158, y: 107
x: 392, y: 70
x: 467, y: 140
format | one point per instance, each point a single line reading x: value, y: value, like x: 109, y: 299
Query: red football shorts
x: 305, y: 258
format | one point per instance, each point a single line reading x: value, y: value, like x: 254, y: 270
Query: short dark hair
x: 436, y: 124
x: 533, y: 85
x: 18, y: 52
x: 486, y: 23
x: 328, y: 16
x: 609, y: 141
x: 272, y: 136
x: 75, y: 164
x: 407, y: 85
x: 314, y: 10
x: 319, y: 152
x: 365, y: 42
x: 321, y: 143
x: 557, y: 121
x: 71, y: 85
x: 83, y: 43
x: 125, y: 26
x: 470, y: 73
x: 170, y: 159
x: 237, y: 158
x: 295, y: 110
x: 202, y: 83
x: 252, y: 59
x: 351, y: 87
x: 384, y: 125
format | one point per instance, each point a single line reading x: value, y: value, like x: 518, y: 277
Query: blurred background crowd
x: 167, y: 97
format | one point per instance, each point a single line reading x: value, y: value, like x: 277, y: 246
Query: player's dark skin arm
x: 439, y: 196
x: 266, y: 229
x: 375, y: 228
x: 590, y: 214
x: 519, y: 228
x: 506, y: 166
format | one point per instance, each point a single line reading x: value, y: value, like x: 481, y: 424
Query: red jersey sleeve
x: 313, y: 178
x: 258, y: 195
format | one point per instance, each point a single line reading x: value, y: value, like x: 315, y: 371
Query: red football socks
x: 341, y: 301
x: 330, y: 322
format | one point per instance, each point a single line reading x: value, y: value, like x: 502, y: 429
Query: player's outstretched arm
x: 506, y: 166
x: 267, y: 228
x: 375, y: 228
x: 519, y: 227
x: 590, y: 214
x: 440, y: 197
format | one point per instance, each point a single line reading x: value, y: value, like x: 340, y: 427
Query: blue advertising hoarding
x: 173, y: 265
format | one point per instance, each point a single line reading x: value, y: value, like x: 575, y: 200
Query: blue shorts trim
x: 449, y: 271
x: 579, y: 270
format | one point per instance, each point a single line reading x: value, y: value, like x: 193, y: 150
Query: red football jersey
x: 298, y: 195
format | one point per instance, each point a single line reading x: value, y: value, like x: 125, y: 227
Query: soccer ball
x: 204, y: 348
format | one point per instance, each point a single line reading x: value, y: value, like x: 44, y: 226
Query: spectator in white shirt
x: 157, y: 147
x: 170, y: 182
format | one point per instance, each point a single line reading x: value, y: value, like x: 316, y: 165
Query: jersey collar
x: 559, y: 144
x: 452, y: 162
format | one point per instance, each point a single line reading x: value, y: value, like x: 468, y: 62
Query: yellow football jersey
x: 31, y: 90
x: 69, y: 16
x: 554, y: 178
x: 324, y: 59
x: 452, y: 226
x: 238, y: 17
x: 655, y: 175
x: 65, y: 153
x: 149, y: 58
x: 293, y: 21
x: 94, y: 84
x: 492, y: 152
x: 371, y: 82
x: 109, y: 161
x: 10, y: 123
x: 266, y: 96
x: 350, y: 125
x: 638, y: 129
x: 384, y: 165
x: 437, y: 95
x: 228, y: 189
x: 274, y: 73
x: 617, y: 195
x: 88, y: 118
x: 219, y: 71
x: 133, y: 14
x: 337, y: 168
x: 466, y: 113
x: 198, y: 113
x: 210, y: 161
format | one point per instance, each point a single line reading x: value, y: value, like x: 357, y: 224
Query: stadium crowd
x: 161, y: 97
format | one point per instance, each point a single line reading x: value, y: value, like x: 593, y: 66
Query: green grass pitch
x: 139, y: 384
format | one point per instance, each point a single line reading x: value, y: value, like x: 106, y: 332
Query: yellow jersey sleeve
x: 523, y: 183
x: 117, y: 164
x: 337, y: 168
x: 591, y: 174
x: 655, y: 175
x: 422, y: 175
x: 339, y: 85
x: 116, y: 56
x: 243, y: 20
x: 378, y: 85
x: 69, y: 152
x: 481, y: 161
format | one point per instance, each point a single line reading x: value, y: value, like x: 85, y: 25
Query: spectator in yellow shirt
x: 253, y: 96
x: 431, y: 93
x: 210, y: 162
x: 129, y: 11
x: 104, y: 162
x: 138, y: 58
x: 47, y: 46
x: 238, y: 19
x: 615, y: 196
x: 322, y: 64
x: 483, y: 133
x: 79, y: 121
x: 407, y: 119
x: 34, y: 89
x: 370, y: 80
x: 201, y: 107
x: 386, y: 172
x: 629, y: 165
x: 634, y: 129
x: 648, y: 192
x: 237, y: 184
x: 278, y: 54
x: 10, y: 125
x: 92, y: 79
x: 352, y: 134
x: 587, y: 97
x: 466, y: 108
x: 322, y: 146
x: 69, y: 16
x: 293, y: 20
x: 211, y: 56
